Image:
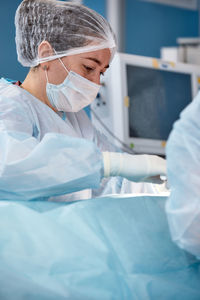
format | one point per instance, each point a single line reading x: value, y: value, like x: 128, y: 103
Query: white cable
x: 124, y: 147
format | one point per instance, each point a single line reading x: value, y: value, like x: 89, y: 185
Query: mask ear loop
x: 45, y: 70
x: 46, y: 75
x: 60, y: 60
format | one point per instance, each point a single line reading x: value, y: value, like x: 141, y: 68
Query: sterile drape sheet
x: 115, y: 247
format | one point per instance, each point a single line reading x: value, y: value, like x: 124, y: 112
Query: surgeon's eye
x: 88, y: 69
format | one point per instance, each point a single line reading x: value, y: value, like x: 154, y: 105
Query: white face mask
x: 75, y: 93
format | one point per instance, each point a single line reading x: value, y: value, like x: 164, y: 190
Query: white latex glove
x: 137, y: 168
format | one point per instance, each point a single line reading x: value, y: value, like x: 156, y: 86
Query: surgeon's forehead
x: 101, y: 57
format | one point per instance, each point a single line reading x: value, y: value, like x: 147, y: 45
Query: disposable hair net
x: 70, y: 28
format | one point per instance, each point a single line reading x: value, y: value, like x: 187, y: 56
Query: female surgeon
x: 48, y: 146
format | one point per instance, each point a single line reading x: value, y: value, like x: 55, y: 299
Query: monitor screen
x: 156, y: 98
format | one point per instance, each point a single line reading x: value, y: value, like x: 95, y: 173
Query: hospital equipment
x: 141, y: 98
x: 187, y: 51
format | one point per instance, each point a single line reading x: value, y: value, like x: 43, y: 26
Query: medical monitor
x: 144, y: 97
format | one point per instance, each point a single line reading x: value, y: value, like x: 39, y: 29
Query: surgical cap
x: 70, y: 28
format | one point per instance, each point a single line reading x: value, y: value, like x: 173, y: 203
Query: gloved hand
x: 137, y: 168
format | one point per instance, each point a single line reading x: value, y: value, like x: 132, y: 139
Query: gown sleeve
x: 54, y: 166
x: 183, y: 164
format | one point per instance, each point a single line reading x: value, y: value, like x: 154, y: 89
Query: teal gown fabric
x: 183, y: 164
x: 116, y: 247
x: 43, y: 155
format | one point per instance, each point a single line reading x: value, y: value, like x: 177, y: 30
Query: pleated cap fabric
x: 70, y: 28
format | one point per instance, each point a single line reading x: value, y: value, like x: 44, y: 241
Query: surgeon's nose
x: 95, y: 78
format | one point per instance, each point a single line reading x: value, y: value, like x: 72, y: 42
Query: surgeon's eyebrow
x: 97, y: 61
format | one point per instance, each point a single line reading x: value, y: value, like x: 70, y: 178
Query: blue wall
x: 98, y: 5
x: 148, y: 27
x: 9, y: 66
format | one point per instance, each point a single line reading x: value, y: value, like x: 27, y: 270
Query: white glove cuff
x: 113, y: 163
x: 106, y: 163
x: 147, y: 164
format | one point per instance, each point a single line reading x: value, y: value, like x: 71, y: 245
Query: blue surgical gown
x: 183, y: 164
x: 44, y: 156
x: 107, y: 248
